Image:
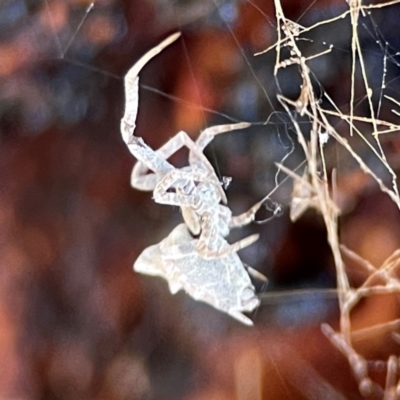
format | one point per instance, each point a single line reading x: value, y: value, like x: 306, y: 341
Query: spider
x: 206, y: 267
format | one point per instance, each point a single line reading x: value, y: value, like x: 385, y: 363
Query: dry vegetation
x: 316, y: 188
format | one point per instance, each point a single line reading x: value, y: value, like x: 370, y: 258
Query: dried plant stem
x: 312, y: 189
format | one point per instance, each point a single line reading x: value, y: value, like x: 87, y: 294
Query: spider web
x: 364, y: 109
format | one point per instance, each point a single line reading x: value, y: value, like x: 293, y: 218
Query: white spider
x: 207, y: 268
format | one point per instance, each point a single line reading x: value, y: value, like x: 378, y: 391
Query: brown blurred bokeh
x: 76, y: 321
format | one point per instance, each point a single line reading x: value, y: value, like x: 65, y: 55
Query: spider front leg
x: 208, y: 135
x: 131, y: 83
x: 136, y: 146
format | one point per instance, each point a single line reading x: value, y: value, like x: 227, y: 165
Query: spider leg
x: 247, y: 217
x: 180, y: 140
x: 144, y: 182
x: 131, y: 83
x: 208, y: 253
x: 148, y: 157
x: 208, y: 135
x: 191, y: 219
x: 240, y: 317
x: 240, y: 244
x: 136, y: 146
x: 255, y: 274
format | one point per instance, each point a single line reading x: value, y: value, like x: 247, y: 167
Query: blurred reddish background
x: 76, y: 321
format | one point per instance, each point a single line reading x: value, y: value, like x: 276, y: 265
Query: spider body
x: 221, y: 282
